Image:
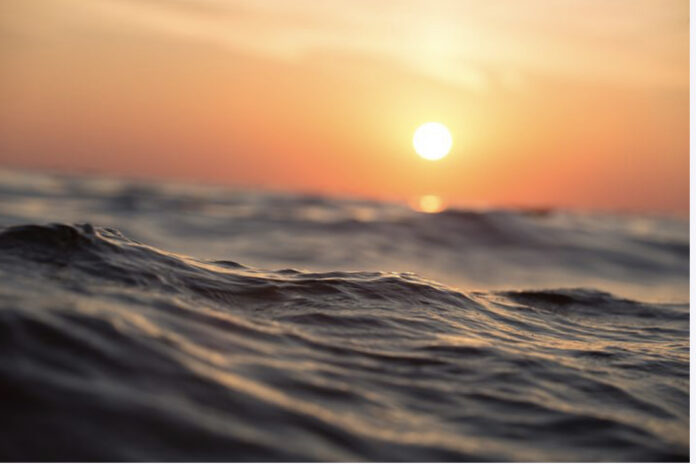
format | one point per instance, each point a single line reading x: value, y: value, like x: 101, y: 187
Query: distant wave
x: 112, y: 349
x: 636, y: 256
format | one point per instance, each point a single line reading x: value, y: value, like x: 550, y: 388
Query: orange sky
x: 578, y: 104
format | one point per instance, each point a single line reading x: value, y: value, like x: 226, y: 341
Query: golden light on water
x: 432, y: 141
x: 429, y: 204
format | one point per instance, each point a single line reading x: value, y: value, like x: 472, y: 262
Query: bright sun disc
x: 432, y: 141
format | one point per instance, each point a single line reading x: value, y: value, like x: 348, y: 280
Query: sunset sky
x: 580, y: 104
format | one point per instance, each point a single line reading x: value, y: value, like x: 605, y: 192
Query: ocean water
x: 157, y: 321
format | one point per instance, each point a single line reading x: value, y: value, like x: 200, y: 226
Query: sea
x: 159, y: 321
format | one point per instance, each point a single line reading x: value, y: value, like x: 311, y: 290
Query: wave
x: 638, y: 256
x: 111, y: 349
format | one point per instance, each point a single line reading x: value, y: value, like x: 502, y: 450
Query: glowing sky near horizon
x: 552, y: 103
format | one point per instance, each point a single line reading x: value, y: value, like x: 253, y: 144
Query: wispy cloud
x: 627, y: 42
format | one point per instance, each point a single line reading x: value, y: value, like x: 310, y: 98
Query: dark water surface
x: 167, y: 322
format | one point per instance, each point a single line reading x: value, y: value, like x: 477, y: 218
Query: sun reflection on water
x: 429, y: 204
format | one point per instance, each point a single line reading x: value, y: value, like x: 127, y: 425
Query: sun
x: 432, y: 141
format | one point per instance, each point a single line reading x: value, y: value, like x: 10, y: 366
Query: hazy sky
x: 550, y: 103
